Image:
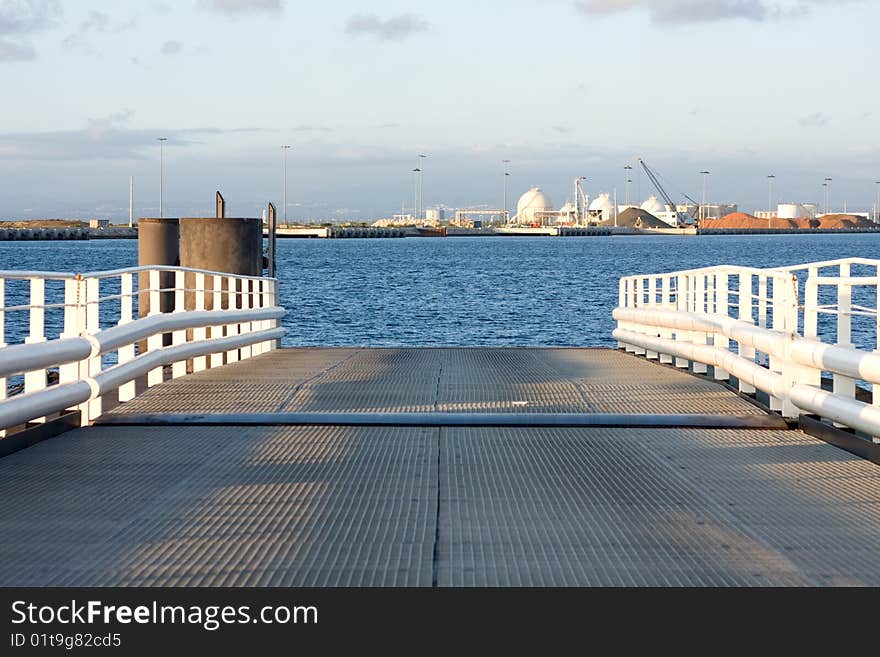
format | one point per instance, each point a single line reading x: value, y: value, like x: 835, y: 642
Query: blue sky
x: 562, y: 88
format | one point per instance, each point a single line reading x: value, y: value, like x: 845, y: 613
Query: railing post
x: 682, y: 293
x: 178, y: 367
x: 700, y: 338
x: 778, y: 323
x: 271, y: 302
x: 128, y: 390
x: 745, y: 315
x: 3, y: 382
x: 260, y: 347
x: 638, y: 301
x: 622, y: 297
x: 247, y: 300
x: 843, y: 385
x: 811, y: 375
x: 875, y: 388
x: 36, y: 379
x: 232, y: 329
x: 665, y: 303
x: 722, y: 307
x: 155, y: 376
x: 791, y: 371
x: 762, y: 311
x: 200, y: 334
x: 217, y: 331
x: 652, y: 304
x: 93, y: 325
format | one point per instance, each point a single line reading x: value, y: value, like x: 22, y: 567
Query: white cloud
x: 815, y: 120
x: 171, y: 48
x: 391, y: 29
x: 702, y: 11
x: 21, y: 18
x: 102, y: 138
x: 243, y: 6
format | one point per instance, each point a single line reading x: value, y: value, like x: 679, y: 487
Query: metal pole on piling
x: 271, y: 230
x: 284, y: 150
x: 162, y: 141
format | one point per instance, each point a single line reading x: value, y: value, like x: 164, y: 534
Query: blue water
x: 488, y: 291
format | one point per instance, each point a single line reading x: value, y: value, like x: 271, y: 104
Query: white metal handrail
x: 102, y: 348
x: 771, y: 340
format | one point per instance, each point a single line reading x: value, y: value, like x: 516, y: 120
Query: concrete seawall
x: 67, y: 233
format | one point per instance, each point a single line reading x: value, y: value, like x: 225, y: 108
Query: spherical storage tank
x: 602, y: 207
x: 652, y: 205
x: 531, y: 203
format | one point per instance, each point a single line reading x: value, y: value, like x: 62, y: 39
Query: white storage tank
x: 602, y: 208
x: 791, y: 211
x: 434, y: 215
x: 531, y: 204
x: 653, y: 206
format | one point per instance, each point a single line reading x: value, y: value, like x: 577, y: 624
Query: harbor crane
x: 680, y: 217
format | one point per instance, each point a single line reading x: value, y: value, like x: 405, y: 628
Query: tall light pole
x: 577, y: 205
x: 827, y: 186
x: 421, y: 169
x: 161, y: 141
x: 770, y: 179
x: 416, y: 171
x: 506, y: 176
x: 705, y: 175
x: 284, y: 149
x: 627, y: 168
x: 877, y: 207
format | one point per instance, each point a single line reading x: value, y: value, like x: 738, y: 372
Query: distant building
x: 790, y: 211
x: 99, y: 223
x: 434, y: 216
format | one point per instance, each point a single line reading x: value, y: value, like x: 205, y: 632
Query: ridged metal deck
x: 364, y: 504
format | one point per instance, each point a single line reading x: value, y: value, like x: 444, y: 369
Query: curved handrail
x: 24, y: 357
x: 21, y: 408
x: 689, y: 316
x: 243, y: 324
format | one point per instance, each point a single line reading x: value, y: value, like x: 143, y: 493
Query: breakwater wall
x: 66, y: 233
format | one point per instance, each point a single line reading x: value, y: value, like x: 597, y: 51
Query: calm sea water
x: 486, y: 291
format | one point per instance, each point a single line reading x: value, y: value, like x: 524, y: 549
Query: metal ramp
x: 523, y: 504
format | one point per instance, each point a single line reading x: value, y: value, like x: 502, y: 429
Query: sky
x: 561, y: 88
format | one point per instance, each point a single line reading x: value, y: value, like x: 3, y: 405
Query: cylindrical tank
x: 790, y: 211
x: 232, y: 245
x: 158, y: 244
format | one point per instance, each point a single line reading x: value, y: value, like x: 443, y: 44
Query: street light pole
x: 506, y: 176
x: 703, y: 203
x: 421, y: 195
x: 877, y: 207
x: 162, y: 141
x: 827, y: 195
x: 577, y: 205
x: 416, y: 171
x: 627, y: 168
x: 284, y: 150
x: 770, y: 179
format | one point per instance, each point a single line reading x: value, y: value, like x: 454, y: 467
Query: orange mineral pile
x: 741, y: 220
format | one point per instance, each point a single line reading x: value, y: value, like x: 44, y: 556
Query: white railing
x: 757, y: 325
x: 86, y: 326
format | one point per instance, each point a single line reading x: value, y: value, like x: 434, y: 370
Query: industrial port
x: 535, y: 215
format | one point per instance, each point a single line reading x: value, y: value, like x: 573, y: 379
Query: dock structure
x: 243, y: 464
x: 231, y: 477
